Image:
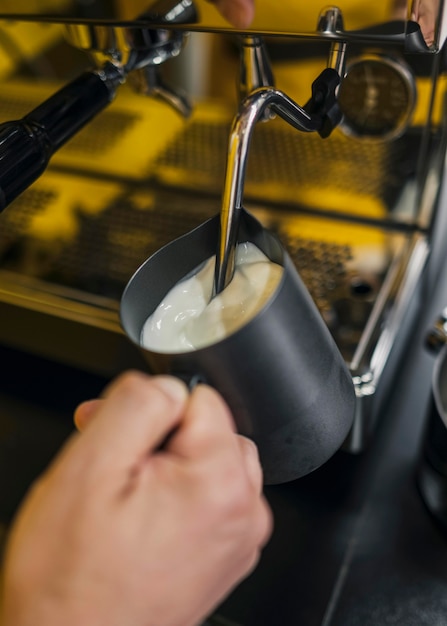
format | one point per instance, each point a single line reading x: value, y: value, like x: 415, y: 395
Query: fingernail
x: 172, y: 387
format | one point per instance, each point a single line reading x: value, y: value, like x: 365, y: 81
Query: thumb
x: 85, y: 413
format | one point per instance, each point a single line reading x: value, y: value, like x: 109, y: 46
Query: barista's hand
x: 240, y: 13
x: 425, y: 13
x: 118, y: 531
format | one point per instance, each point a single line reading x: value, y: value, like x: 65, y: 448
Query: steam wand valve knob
x: 324, y: 103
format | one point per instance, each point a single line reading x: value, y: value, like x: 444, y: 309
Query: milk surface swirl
x: 187, y: 318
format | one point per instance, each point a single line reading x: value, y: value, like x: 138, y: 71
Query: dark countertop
x: 353, y: 543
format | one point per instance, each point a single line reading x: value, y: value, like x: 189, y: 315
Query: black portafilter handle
x: 26, y: 145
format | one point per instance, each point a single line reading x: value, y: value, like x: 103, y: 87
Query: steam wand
x: 320, y: 114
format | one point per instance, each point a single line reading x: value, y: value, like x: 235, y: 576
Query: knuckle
x: 142, y: 389
x: 237, y: 497
x: 130, y: 381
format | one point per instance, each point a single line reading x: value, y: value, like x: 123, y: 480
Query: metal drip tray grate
x: 110, y: 245
x: 15, y: 223
x: 285, y: 164
x: 69, y: 245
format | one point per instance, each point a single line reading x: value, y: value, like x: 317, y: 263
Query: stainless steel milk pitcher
x: 281, y: 374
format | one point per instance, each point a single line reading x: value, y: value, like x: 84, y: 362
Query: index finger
x: 206, y: 428
x: 135, y: 416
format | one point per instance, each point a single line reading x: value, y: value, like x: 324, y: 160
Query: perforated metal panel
x: 109, y: 245
x: 292, y: 162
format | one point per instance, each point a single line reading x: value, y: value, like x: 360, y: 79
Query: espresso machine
x: 116, y: 125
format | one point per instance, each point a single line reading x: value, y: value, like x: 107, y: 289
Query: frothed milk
x: 188, y: 319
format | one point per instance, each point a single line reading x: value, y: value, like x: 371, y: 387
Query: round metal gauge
x: 377, y: 97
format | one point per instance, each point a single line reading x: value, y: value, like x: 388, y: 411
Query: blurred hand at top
x: 240, y: 13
